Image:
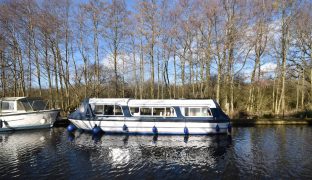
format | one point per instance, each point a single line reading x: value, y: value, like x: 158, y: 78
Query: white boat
x: 18, y: 113
x: 151, y: 116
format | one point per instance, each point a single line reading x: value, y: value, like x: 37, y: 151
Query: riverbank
x: 235, y: 122
x: 62, y: 122
x: 273, y: 121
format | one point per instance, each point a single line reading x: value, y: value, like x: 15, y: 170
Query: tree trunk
x: 66, y: 73
x: 61, y: 74
x: 298, y: 92
x: 134, y: 70
x: 183, y: 77
x: 141, y: 70
x: 29, y: 64
x: 175, y: 75
x: 218, y: 82
x: 96, y: 53
x: 47, y: 66
x: 37, y: 66
x: 21, y: 73
x: 123, y: 78
x: 115, y: 71
x: 158, y: 76
x: 3, y: 74
x: 152, y: 69
x: 55, y: 70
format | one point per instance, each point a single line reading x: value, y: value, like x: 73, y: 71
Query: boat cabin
x: 155, y: 108
x: 22, y: 104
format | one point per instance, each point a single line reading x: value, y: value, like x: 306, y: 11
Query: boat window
x: 206, y: 112
x: 82, y: 108
x: 38, y: 105
x: 146, y: 111
x: 186, y: 111
x: 118, y: 110
x: 109, y: 110
x: 197, y: 111
x: 7, y: 106
x: 159, y: 111
x: 99, y: 109
x: 26, y: 105
x: 152, y: 111
x: 170, y: 111
x: 165, y: 111
x: 135, y: 111
x: 20, y: 106
x: 194, y: 112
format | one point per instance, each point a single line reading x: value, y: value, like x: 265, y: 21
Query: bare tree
x: 116, y: 33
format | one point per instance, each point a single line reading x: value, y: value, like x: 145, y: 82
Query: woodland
x: 254, y: 57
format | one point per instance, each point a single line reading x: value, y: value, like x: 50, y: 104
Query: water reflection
x: 21, y: 151
x: 119, y: 156
x: 157, y: 152
x: 273, y: 151
x: 279, y: 152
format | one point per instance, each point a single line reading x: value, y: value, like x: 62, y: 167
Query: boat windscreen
x: 32, y: 105
x: 24, y: 105
x: 38, y: 105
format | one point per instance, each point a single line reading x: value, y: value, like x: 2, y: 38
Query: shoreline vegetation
x: 238, y: 122
x: 293, y: 118
x: 275, y: 121
x: 253, y: 57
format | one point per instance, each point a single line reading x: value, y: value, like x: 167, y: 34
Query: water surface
x: 272, y: 152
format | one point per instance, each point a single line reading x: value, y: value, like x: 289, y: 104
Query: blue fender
x: 217, y: 128
x: 229, y: 128
x: 71, y: 128
x: 155, y: 130
x: 125, y: 128
x: 186, y: 131
x: 96, y: 130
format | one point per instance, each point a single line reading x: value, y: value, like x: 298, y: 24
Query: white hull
x: 141, y: 127
x: 28, y: 120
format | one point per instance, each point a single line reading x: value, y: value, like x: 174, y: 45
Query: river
x: 260, y: 152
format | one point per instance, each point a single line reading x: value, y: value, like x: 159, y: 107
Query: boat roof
x: 154, y: 102
x: 173, y: 102
x: 18, y: 98
x: 116, y: 101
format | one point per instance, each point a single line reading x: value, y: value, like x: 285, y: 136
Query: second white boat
x: 19, y: 113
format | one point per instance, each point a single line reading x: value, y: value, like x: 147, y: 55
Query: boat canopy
x: 111, y: 101
x: 12, y: 104
x: 173, y: 102
x: 12, y: 98
x: 155, y: 102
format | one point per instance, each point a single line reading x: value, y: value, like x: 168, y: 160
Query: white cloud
x: 124, y: 61
x: 268, y: 67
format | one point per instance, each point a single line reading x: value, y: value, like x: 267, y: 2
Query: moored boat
x: 151, y: 116
x: 19, y: 113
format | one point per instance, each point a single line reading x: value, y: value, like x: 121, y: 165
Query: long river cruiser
x: 18, y: 113
x: 165, y: 116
